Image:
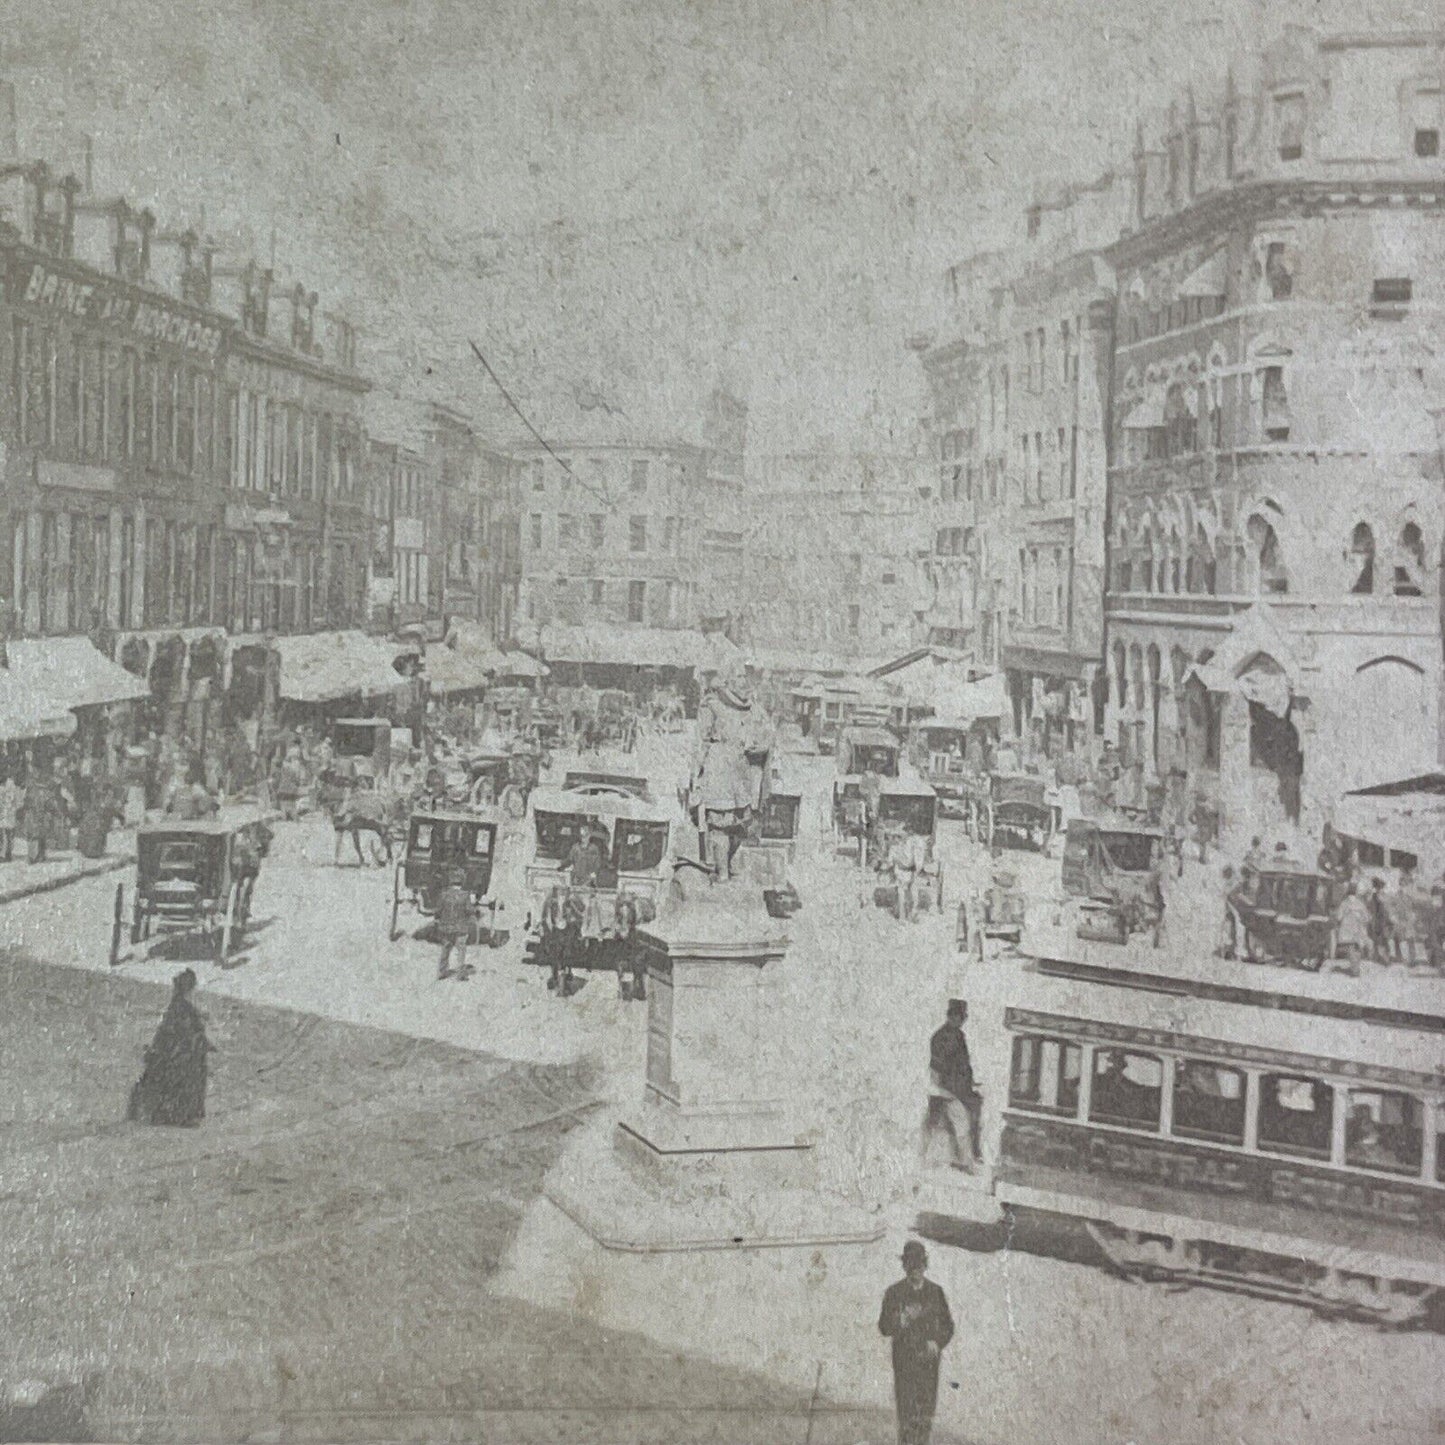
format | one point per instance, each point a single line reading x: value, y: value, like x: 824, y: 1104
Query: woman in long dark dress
x: 172, y: 1088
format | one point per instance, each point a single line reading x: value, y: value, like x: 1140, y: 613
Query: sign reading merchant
x: 35, y: 284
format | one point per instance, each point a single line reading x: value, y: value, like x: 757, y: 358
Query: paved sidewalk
x: 19, y: 878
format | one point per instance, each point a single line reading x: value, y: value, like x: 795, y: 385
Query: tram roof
x: 1274, y: 1009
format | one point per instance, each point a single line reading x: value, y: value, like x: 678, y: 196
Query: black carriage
x: 859, y: 751
x: 1116, y: 870
x: 195, y: 877
x: 363, y: 739
x: 588, y: 919
x: 1286, y: 915
x: 439, y: 843
x: 939, y: 752
x: 901, y: 844
x: 1010, y: 810
x: 769, y: 847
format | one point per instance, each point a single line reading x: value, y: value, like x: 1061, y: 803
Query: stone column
x: 712, y: 1155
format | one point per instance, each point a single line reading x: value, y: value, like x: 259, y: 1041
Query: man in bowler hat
x: 915, y: 1317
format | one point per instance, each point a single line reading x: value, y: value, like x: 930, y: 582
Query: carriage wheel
x: 137, y: 920
x: 117, y: 924
x: 393, y: 933
x: 938, y: 889
x: 230, y: 927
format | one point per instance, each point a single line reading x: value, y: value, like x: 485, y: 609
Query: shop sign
x: 104, y: 303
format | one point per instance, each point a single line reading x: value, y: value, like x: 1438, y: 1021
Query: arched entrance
x: 1274, y: 740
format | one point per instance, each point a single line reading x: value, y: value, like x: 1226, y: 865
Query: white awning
x: 24, y: 715
x: 985, y: 697
x: 68, y: 672
x: 325, y: 666
x: 630, y: 646
x: 1207, y: 280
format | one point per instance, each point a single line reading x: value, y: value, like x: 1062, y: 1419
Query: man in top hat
x: 915, y: 1316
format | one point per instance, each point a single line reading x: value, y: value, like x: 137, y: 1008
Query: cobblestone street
x: 312, y: 1263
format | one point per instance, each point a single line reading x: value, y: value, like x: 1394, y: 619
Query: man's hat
x: 957, y: 1005
x: 914, y: 1255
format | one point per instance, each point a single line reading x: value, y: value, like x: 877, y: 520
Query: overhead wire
x: 526, y: 422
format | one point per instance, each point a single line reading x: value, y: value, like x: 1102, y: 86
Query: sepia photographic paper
x: 722, y: 721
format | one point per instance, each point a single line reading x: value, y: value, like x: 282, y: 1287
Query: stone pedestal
x: 712, y: 1156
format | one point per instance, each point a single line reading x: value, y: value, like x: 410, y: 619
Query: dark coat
x: 948, y: 1058
x: 911, y: 1318
x: 172, y: 1087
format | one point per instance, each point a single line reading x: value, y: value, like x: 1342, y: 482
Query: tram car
x: 1188, y: 1124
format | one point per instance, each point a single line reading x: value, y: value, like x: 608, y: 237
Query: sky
x: 631, y: 200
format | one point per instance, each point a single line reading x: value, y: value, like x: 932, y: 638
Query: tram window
x: 1045, y: 1075
x: 1208, y: 1102
x: 1128, y: 1089
x: 1295, y: 1115
x: 1384, y: 1130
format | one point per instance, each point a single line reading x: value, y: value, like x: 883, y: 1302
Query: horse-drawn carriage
x: 194, y: 877
x: 938, y: 750
x: 1114, y: 869
x: 365, y: 739
x: 901, y: 847
x: 1009, y: 810
x: 769, y: 845
x: 862, y: 751
x: 997, y: 914
x: 601, y: 865
x: 503, y: 780
x: 440, y: 843
x: 1286, y: 915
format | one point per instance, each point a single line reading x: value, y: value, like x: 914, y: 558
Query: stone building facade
x: 1275, y: 513
x: 610, y: 532
x: 1019, y: 390
x: 834, y: 554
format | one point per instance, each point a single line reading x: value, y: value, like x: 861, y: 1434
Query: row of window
x: 591, y: 532
x: 1043, y: 582
x: 568, y: 472
x: 1048, y: 470
x: 1168, y: 569
x: 595, y: 591
x: 94, y: 401
x: 1293, y: 1115
x: 74, y: 572
x: 1390, y: 298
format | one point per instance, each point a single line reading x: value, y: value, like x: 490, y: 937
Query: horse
x: 357, y: 813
